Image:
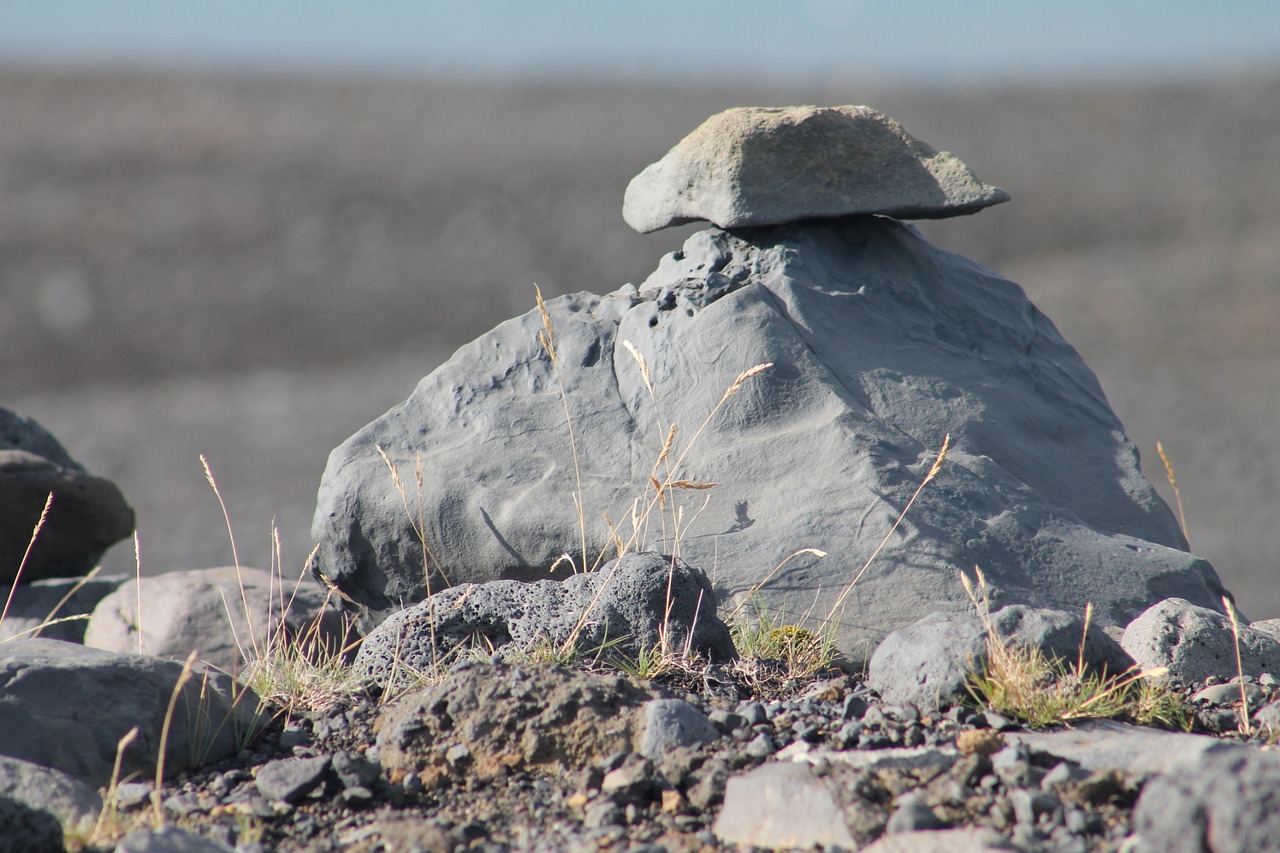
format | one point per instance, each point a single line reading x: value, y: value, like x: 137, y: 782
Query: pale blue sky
x: 919, y: 41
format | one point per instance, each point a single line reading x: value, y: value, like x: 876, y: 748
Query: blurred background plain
x: 246, y: 230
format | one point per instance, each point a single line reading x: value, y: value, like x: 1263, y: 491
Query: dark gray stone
x: 67, y: 707
x: 1225, y: 800
x: 289, y: 780
x: 1195, y: 642
x: 880, y: 344
x: 88, y: 515
x: 765, y: 166
x: 33, y: 606
x: 355, y: 772
x: 673, y: 722
x: 73, y: 803
x: 628, y: 606
x: 24, y: 829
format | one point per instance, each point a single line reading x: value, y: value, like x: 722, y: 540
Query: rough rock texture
x: 881, y: 345
x: 87, y: 516
x: 168, y: 839
x: 1106, y: 745
x: 73, y: 803
x: 765, y: 166
x: 67, y: 707
x: 781, y: 805
x: 24, y: 829
x: 943, y: 841
x: 628, y: 604
x: 1225, y: 800
x: 1195, y: 642
x: 928, y: 662
x: 34, y: 606
x: 209, y: 610
x: 487, y: 719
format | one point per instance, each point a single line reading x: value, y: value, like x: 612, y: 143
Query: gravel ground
x: 253, y: 268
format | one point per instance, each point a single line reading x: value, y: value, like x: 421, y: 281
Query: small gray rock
x: 760, y: 166
x: 912, y: 815
x: 1195, y: 643
x: 289, y: 780
x: 1226, y: 800
x: 781, y: 805
x: 1228, y: 694
x: 943, y: 841
x: 355, y: 772
x: 673, y: 722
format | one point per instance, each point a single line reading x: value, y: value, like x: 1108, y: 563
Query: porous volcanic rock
x: 1194, y: 642
x: 765, y: 166
x: 88, y: 513
x: 628, y: 606
x: 485, y: 720
x: 880, y: 345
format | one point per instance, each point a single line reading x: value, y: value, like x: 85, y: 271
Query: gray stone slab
x: 1110, y: 745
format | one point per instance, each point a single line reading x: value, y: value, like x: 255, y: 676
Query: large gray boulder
x: 88, y: 513
x: 880, y: 344
x: 766, y: 166
x: 1196, y: 642
x: 630, y: 606
x: 67, y: 707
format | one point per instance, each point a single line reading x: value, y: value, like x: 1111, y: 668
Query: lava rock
x: 32, y: 614
x: 670, y: 723
x: 629, y: 606
x: 1195, y: 642
x: 765, y: 166
x: 73, y: 803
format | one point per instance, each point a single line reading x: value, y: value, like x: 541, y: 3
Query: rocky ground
x: 324, y: 780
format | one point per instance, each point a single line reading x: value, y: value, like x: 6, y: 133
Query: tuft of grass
x: 1023, y: 683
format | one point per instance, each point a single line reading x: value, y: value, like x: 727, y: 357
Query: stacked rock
x: 879, y: 344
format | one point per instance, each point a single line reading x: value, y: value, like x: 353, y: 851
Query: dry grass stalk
x: 106, y: 827
x: 547, y: 337
x: 183, y: 678
x: 235, y: 556
x: 933, y: 472
x: 26, y: 555
x: 1173, y: 484
x: 1245, y: 725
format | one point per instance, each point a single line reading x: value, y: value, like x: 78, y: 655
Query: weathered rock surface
x: 487, y: 719
x: 1195, y: 642
x: 88, y: 514
x: 1107, y: 745
x: 66, y: 706
x: 168, y: 839
x: 765, y: 166
x: 72, y: 803
x: 24, y: 829
x: 781, y: 805
x: 629, y: 605
x: 880, y: 343
x: 33, y: 607
x: 212, y: 611
x: 929, y: 661
x: 1225, y: 800
x: 943, y: 841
